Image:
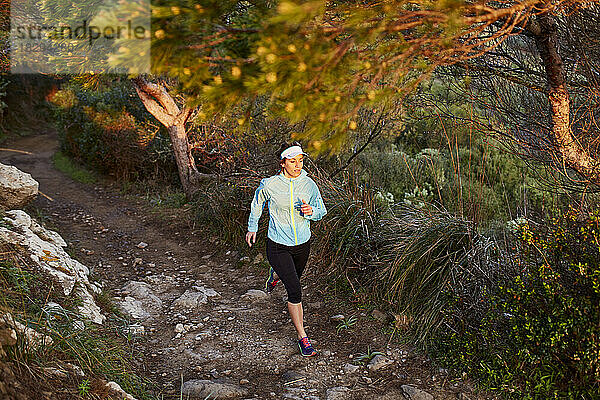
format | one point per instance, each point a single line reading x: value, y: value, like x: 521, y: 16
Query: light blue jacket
x: 287, y: 224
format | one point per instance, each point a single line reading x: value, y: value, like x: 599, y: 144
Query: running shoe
x: 306, y: 348
x: 271, y: 281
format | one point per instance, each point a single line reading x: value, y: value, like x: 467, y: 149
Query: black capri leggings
x: 289, y: 262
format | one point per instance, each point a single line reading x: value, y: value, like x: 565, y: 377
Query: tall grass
x: 427, y: 256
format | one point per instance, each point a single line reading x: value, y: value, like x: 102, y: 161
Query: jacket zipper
x: 292, y: 210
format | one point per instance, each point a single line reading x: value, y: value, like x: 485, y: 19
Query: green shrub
x: 538, y: 337
x: 110, y: 131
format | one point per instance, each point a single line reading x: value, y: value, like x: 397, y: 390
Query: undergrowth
x: 104, y: 352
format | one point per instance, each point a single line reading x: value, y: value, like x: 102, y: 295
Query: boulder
x: 17, y: 188
x: 46, y: 250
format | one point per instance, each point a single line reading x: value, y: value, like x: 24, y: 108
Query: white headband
x: 292, y: 152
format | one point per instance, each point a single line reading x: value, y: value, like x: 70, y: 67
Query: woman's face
x: 293, y: 166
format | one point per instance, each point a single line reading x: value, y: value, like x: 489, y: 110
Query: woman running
x: 294, y: 200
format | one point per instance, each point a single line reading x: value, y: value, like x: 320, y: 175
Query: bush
x: 538, y: 337
x: 110, y: 131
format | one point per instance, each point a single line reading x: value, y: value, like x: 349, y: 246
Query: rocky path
x: 196, y: 313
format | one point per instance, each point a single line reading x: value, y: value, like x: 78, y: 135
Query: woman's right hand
x: 251, y: 238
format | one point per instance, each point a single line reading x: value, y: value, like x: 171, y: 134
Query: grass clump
x: 65, y: 165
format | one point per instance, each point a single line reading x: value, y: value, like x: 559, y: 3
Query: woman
x: 294, y: 200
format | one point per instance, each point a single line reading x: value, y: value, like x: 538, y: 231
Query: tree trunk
x: 571, y: 154
x: 188, y: 174
x: 161, y: 105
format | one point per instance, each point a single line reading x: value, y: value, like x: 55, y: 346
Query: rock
x: 193, y: 298
x: 245, y: 259
x: 378, y: 362
x: 142, y: 245
x: 114, y: 386
x: 416, y: 394
x: 134, y: 330
x: 204, y: 388
x: 89, y: 308
x: 76, y: 369
x: 32, y: 338
x: 179, y: 328
x: 134, y: 308
x: 45, y: 248
x: 141, y: 303
x: 338, y: 317
x: 161, y: 283
x: 350, y: 368
x: 8, y: 336
x: 253, y: 295
x: 337, y: 393
x: 379, y: 316
x: 290, y: 376
x: 259, y: 257
x: 57, y: 373
x: 17, y: 188
x: 244, y: 381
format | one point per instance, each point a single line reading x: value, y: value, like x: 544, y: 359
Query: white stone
x: 378, y: 362
x: 350, y: 368
x: 46, y: 249
x: 114, y: 386
x: 253, y: 295
x: 179, y: 328
x: 194, y: 297
x: 32, y: 338
x: 140, y: 301
x: 133, y: 308
x: 17, y: 188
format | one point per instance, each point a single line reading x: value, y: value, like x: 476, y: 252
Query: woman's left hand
x: 306, y: 208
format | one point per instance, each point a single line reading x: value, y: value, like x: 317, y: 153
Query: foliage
x: 98, y: 349
x: 423, y: 253
x: 3, y: 84
x: 346, y: 323
x: 109, y: 131
x: 213, y: 207
x: 536, y: 329
x: 308, y: 56
x: 26, y: 110
x: 364, y: 358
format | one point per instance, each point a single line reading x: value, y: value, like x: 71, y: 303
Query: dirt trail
x: 224, y: 338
